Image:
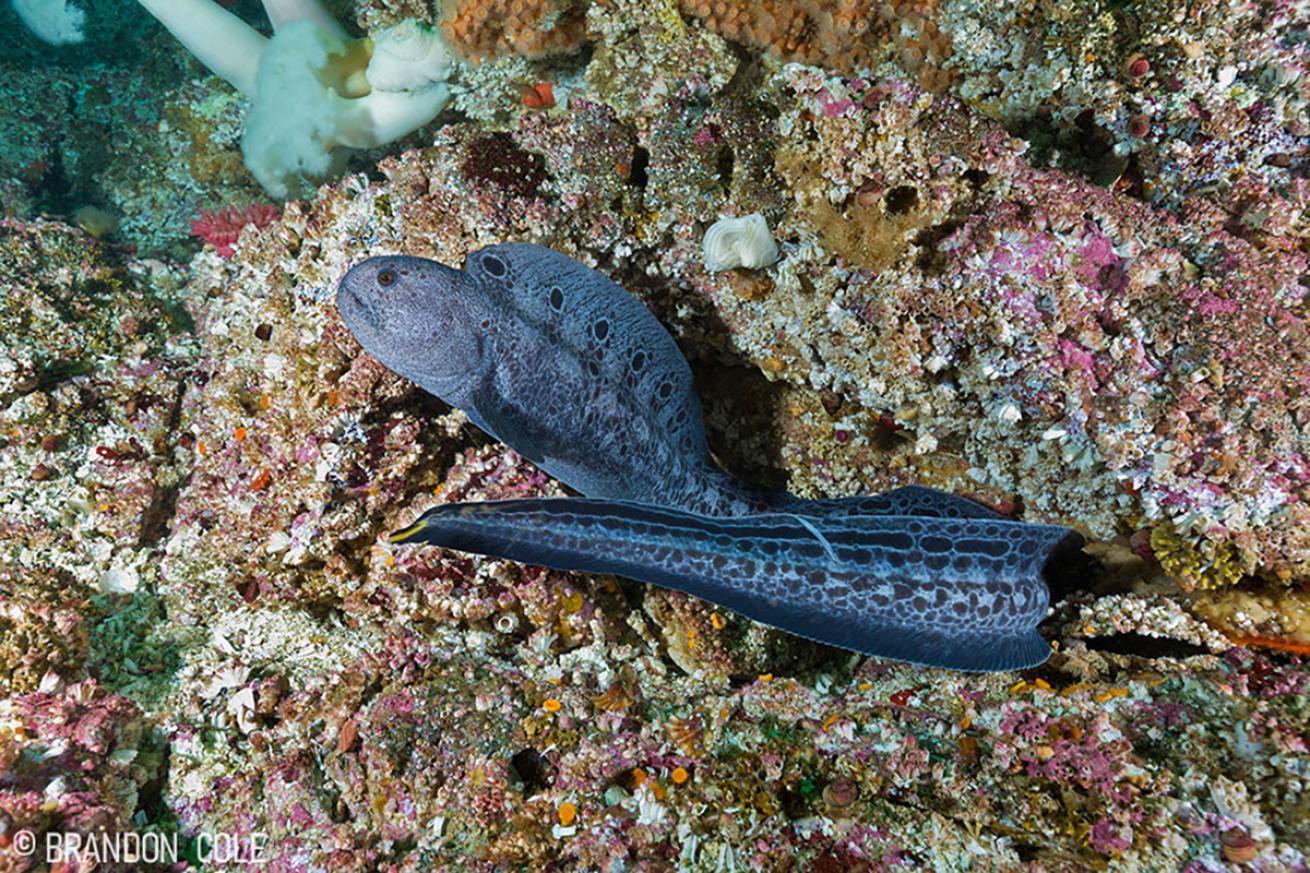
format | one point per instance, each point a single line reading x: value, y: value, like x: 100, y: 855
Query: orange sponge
x: 840, y: 34
x: 483, y: 28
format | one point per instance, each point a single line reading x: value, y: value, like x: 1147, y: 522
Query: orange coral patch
x: 484, y: 28
x: 1272, y: 643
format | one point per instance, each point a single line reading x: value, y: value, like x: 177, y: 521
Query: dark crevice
x: 151, y: 798
x: 157, y: 520
x: 930, y: 258
x: 1082, y: 148
x: 1142, y: 646
x: 741, y: 396
x: 1071, y: 571
x: 1027, y: 852
x: 640, y: 162
x: 724, y: 167
x: 57, y: 371
x: 533, y: 769
x: 158, y: 517
x: 901, y: 199
x: 54, y: 191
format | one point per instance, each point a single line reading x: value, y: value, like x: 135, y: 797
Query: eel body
x: 560, y: 363
x: 964, y: 593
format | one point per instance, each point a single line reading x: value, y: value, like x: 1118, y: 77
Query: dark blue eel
x: 563, y: 365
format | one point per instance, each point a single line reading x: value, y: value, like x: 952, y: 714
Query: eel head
x: 421, y: 319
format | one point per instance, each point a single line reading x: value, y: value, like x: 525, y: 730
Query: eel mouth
x: 355, y: 308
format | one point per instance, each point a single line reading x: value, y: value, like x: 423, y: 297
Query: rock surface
x: 192, y: 550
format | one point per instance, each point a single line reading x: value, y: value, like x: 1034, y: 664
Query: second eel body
x: 570, y: 370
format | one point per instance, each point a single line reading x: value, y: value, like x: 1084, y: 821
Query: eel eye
x: 386, y: 277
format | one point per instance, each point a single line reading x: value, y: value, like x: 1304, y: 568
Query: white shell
x: 739, y: 242
x: 407, y: 57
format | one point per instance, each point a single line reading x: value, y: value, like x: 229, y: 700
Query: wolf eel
x: 557, y: 361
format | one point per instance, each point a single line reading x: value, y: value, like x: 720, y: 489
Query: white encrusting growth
x: 739, y: 242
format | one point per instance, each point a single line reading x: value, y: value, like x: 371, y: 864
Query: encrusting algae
x: 845, y: 35
x: 1195, y: 561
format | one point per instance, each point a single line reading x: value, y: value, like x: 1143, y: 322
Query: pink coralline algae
x: 75, y: 762
x: 1079, y: 757
x: 1083, y: 332
x: 1108, y: 838
x: 222, y: 228
x: 1263, y: 677
x: 1072, y: 751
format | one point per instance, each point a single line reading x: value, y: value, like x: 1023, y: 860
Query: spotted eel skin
x: 555, y: 360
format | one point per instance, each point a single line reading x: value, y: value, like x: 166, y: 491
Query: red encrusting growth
x: 221, y: 228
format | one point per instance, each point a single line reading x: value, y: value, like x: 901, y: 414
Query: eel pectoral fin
x: 512, y: 428
x: 960, y: 593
